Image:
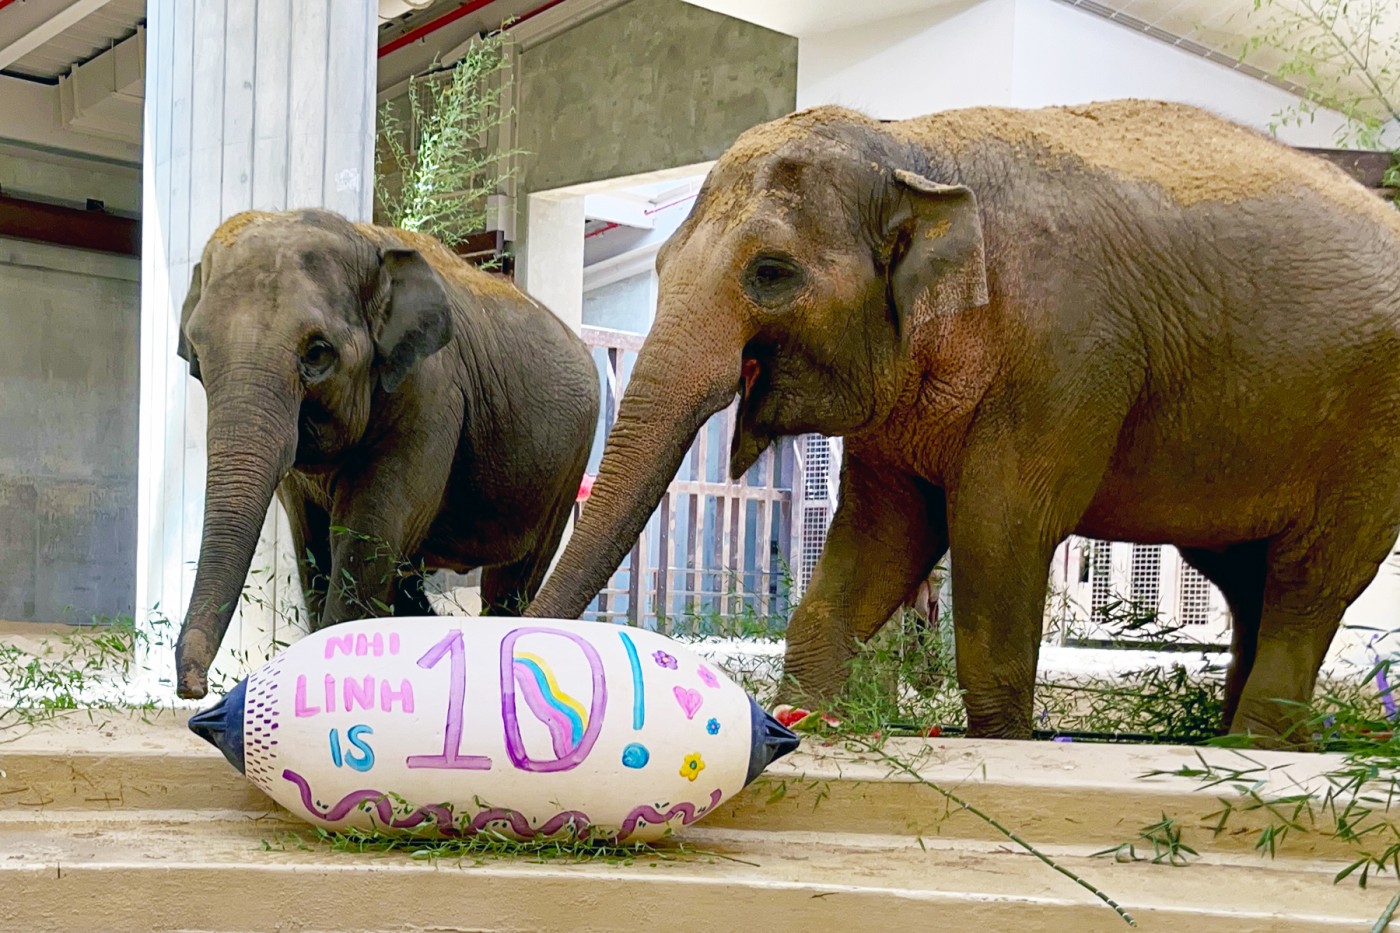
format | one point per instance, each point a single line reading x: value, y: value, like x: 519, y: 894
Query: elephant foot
x: 1270, y: 726
x: 1000, y: 721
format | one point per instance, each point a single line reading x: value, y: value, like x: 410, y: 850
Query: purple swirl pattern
x: 519, y: 824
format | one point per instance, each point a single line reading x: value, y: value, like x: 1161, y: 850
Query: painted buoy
x: 528, y: 728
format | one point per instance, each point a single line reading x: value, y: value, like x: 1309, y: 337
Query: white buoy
x: 525, y: 727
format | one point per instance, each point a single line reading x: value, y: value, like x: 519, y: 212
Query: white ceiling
x: 1216, y: 29
x: 43, y: 40
x: 811, y: 17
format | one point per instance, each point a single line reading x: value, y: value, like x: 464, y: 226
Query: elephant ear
x: 415, y: 318
x: 938, y: 264
x: 182, y: 343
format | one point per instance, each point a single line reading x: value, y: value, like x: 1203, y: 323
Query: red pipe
x: 603, y: 229
x: 413, y: 35
x: 5, y: 3
x: 431, y: 27
x: 655, y: 210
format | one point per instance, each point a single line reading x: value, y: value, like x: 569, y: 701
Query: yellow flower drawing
x: 692, y: 766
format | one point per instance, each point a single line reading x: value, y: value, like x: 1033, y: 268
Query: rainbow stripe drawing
x: 565, y: 716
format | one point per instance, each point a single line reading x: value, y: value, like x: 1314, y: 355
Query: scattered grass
x: 486, y: 845
x: 80, y: 670
x: 1165, y: 839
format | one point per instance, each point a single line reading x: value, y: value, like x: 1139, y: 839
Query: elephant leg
x: 1309, y: 583
x: 311, y: 541
x: 503, y: 586
x: 506, y: 590
x: 1239, y: 573
x: 887, y: 534
x: 411, y: 595
x: 1018, y: 497
x: 999, y: 585
x: 385, y: 520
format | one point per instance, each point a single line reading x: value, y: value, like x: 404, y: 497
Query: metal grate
x: 818, y: 464
x: 1100, y: 586
x: 815, y: 521
x: 1145, y: 582
x: 1195, y: 596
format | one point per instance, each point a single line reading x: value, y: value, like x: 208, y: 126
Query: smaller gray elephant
x: 409, y: 411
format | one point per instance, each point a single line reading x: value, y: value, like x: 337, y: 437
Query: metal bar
x: 612, y: 403
x: 691, y: 561
x: 665, y: 532
x: 634, y: 580
x: 42, y: 222
x: 700, y: 455
x: 738, y: 511
x: 611, y: 339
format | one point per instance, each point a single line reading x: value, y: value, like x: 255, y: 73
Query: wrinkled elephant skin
x: 1131, y: 320
x: 409, y: 411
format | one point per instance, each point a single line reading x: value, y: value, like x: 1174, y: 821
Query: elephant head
x: 294, y: 322
x: 818, y: 244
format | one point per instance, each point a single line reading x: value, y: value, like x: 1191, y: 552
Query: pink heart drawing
x: 689, y: 700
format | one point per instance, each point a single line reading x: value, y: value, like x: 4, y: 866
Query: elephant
x: 407, y: 409
x: 1131, y: 320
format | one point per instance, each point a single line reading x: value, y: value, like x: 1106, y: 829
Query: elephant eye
x: 772, y: 279
x: 318, y: 358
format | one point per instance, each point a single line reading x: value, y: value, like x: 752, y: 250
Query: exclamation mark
x: 635, y: 755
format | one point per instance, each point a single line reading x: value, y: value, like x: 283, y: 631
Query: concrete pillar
x: 266, y: 105
x: 552, y: 270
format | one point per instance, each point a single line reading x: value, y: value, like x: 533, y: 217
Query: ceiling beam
x: 68, y: 226
x: 75, y: 12
x: 30, y: 115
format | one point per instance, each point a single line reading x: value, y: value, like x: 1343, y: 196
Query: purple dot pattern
x: 260, y: 723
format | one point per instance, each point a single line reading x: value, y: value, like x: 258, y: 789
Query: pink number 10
x: 451, y: 756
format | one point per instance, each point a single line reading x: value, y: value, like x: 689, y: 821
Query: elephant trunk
x: 680, y: 379
x: 252, y: 441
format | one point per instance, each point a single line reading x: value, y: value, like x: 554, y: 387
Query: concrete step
x: 128, y: 825
x: 171, y: 871
x: 1051, y: 792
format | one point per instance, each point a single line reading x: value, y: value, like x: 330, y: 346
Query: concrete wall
x: 68, y: 389
x: 649, y: 85
x: 68, y: 392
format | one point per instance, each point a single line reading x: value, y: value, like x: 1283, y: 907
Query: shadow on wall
x: 68, y: 397
x: 649, y: 85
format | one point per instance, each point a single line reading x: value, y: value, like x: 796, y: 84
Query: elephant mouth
x: 751, y: 438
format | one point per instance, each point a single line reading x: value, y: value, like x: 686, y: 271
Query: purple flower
x: 1387, y: 698
x: 665, y: 660
x: 708, y: 677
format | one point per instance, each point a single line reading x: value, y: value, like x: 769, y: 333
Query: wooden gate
x: 715, y: 554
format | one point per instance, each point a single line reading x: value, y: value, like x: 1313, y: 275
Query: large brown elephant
x: 1131, y: 320
x: 381, y: 385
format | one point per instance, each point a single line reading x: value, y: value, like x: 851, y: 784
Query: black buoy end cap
x: 221, y: 725
x: 771, y: 740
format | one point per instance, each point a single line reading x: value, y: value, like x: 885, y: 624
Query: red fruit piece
x: 787, y: 715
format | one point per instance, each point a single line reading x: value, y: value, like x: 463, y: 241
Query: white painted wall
x: 1065, y: 56
x: 1023, y: 53
x: 905, y: 66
